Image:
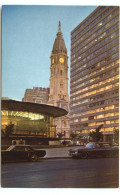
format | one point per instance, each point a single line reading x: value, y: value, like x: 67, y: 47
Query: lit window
x: 109, y: 129
x: 100, y: 116
x: 99, y: 123
x: 111, y: 107
x: 84, y: 119
x: 116, y: 113
x: 117, y: 61
x: 112, y: 122
x: 117, y: 77
x: 98, y: 64
x: 76, y: 120
x: 107, y: 122
x: 108, y: 87
x: 91, y: 124
x: 100, y: 24
x: 109, y: 114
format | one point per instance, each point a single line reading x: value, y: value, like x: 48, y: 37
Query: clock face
x: 61, y: 60
x: 53, y: 61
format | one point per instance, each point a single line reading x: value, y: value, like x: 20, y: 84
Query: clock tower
x: 59, y: 81
x: 59, y: 73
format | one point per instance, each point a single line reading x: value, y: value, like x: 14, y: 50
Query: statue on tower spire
x: 59, y: 27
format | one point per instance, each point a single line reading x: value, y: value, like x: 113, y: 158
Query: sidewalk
x: 58, y: 152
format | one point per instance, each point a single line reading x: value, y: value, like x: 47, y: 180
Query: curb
x: 62, y: 157
x: 40, y: 159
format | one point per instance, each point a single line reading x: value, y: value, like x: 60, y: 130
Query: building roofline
x: 85, y: 19
x: 33, y: 107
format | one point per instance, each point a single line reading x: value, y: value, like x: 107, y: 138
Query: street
x: 62, y: 173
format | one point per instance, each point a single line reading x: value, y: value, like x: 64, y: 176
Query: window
x: 84, y: 119
x: 61, y: 72
x: 91, y: 124
x: 107, y: 122
x: 76, y: 120
x: 116, y: 113
x: 97, y: 146
x: 109, y: 114
x: 91, y: 117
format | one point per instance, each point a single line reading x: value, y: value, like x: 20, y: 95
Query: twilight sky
x: 28, y: 34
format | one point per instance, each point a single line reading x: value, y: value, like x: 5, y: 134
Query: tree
x: 96, y: 135
x: 60, y: 134
x: 2, y: 131
x: 9, y: 130
x: 73, y: 135
x: 42, y: 128
x: 116, y: 136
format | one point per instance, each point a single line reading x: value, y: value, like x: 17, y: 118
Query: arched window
x: 61, y: 72
x: 64, y: 123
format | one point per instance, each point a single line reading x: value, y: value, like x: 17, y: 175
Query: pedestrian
x: 21, y: 141
x: 14, y: 142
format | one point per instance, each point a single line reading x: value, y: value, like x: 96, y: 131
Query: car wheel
x: 115, y: 154
x: 84, y: 155
x: 33, y: 158
x: 2, y: 160
x: 75, y: 157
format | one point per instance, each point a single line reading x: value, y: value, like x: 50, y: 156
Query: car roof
x: 21, y: 145
x: 101, y: 142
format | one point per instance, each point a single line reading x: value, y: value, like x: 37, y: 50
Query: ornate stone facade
x: 59, y: 82
x: 37, y: 95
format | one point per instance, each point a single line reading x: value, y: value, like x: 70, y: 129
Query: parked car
x: 95, y: 149
x: 22, y: 152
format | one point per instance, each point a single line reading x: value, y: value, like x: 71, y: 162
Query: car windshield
x: 10, y: 148
x: 89, y: 145
x: 20, y: 148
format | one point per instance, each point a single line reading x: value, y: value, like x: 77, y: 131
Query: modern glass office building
x: 94, y: 87
x: 30, y: 118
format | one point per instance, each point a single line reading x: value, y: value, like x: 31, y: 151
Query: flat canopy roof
x: 33, y: 107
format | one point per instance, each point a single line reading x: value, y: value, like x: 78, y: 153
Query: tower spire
x: 59, y: 27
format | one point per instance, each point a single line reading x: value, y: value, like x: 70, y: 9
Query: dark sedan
x: 21, y: 152
x: 95, y: 149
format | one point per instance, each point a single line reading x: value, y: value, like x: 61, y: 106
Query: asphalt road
x: 61, y: 173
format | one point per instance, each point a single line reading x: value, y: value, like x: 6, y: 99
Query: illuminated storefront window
x: 27, y: 122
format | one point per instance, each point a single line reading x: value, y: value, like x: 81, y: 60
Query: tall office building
x: 94, y: 88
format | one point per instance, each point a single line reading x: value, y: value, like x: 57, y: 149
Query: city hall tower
x: 59, y: 73
x: 59, y: 80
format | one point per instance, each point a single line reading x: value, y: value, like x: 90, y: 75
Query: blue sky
x: 28, y: 34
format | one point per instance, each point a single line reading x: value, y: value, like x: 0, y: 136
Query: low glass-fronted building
x: 30, y: 118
